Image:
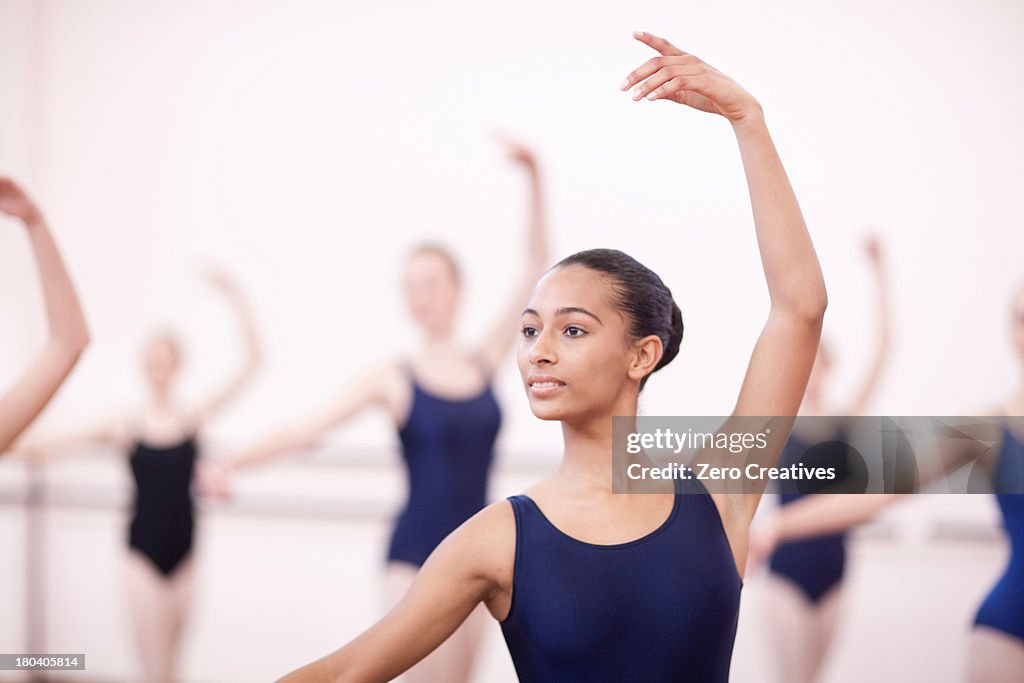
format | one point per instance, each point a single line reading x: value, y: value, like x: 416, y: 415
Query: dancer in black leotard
x: 161, y: 442
x: 589, y: 585
x: 67, y: 336
x: 161, y: 526
x: 441, y: 402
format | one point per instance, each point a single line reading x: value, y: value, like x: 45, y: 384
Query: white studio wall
x: 305, y: 146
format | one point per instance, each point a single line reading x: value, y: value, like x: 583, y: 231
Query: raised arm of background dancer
x: 68, y: 335
x: 463, y: 571
x: 883, y: 307
x: 252, y: 355
x: 367, y: 390
x: 498, y: 343
x: 781, y: 361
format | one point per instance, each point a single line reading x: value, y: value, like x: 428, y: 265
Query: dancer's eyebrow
x: 565, y: 310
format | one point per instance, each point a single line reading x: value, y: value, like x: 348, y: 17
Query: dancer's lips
x: 544, y: 385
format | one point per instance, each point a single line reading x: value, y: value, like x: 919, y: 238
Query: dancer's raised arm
x: 782, y: 358
x: 498, y: 342
x: 883, y: 309
x: 68, y: 335
x: 251, y: 351
x: 784, y: 354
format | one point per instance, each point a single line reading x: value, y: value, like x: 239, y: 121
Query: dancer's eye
x: 529, y: 331
x: 572, y: 329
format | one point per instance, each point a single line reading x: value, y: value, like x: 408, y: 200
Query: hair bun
x: 675, y: 337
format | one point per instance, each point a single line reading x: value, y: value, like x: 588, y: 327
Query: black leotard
x: 161, y: 527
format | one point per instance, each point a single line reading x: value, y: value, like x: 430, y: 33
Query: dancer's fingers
x: 658, y: 43
x: 663, y: 76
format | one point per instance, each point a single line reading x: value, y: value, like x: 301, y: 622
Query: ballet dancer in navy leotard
x: 67, y: 334
x: 161, y: 441
x: 447, y: 446
x: 1001, y: 614
x: 804, y: 586
x: 442, y: 403
x: 996, y: 647
x: 813, y: 568
x: 588, y: 585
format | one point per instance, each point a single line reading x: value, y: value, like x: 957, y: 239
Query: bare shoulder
x: 484, y: 547
x: 1001, y: 412
x: 989, y: 410
x: 390, y: 371
x: 388, y: 383
x: 1013, y: 406
x: 119, y: 429
x: 492, y: 532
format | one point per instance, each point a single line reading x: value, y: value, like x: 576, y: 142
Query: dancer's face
x: 1018, y: 324
x: 574, y: 347
x: 161, y: 362
x: 431, y: 291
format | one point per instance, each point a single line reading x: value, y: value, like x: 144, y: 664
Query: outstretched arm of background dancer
x: 251, y: 356
x: 499, y: 341
x: 469, y: 567
x: 68, y: 335
x: 108, y: 432
x: 373, y: 388
x: 812, y: 516
x: 822, y: 514
x: 883, y: 308
x: 781, y: 361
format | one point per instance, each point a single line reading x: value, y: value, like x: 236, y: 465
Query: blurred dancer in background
x: 804, y: 584
x: 161, y: 439
x: 996, y: 646
x: 442, y: 403
x: 67, y: 333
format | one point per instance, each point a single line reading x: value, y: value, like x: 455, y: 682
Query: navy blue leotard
x: 447, y: 447
x: 814, y: 565
x: 162, y: 523
x: 1003, y: 608
x: 660, y: 608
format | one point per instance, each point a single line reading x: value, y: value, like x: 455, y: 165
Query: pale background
x: 305, y: 145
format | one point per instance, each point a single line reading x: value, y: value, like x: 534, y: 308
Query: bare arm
x: 376, y: 387
x: 252, y: 354
x: 828, y: 514
x: 821, y: 514
x: 112, y: 431
x: 883, y: 307
x: 472, y: 565
x: 812, y: 516
x: 782, y: 358
x: 68, y: 335
x: 781, y: 361
x: 498, y: 342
